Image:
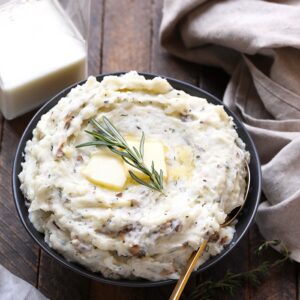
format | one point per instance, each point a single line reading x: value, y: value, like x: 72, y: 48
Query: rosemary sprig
x: 231, y: 282
x: 106, y: 134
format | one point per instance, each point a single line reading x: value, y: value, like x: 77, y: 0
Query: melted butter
x: 185, y: 163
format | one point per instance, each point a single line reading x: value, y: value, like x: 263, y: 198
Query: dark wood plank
x: 95, y: 37
x: 281, y: 284
x: 127, y: 35
x: 109, y: 292
x: 54, y: 280
x: 60, y: 283
x: 18, y: 252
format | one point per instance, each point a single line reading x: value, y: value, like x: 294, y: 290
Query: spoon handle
x: 186, y: 275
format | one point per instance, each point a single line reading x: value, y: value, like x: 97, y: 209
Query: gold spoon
x: 197, y: 254
x: 186, y: 275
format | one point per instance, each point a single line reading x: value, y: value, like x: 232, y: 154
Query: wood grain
x: 95, y: 37
x: 18, y: 252
x: 127, y: 38
x: 60, y: 283
x: 108, y: 292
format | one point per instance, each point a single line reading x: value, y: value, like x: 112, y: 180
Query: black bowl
x: 245, y: 219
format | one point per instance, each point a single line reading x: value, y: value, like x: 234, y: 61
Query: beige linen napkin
x: 258, y: 43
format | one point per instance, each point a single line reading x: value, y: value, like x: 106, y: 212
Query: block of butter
x: 109, y: 170
x: 153, y: 152
x: 106, y: 169
x: 41, y: 53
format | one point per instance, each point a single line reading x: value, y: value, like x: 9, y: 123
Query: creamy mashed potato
x: 135, y: 232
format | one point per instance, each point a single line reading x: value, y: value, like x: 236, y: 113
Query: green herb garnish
x: 231, y: 282
x: 106, y: 134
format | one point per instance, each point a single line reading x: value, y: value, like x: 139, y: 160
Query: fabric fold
x: 258, y: 44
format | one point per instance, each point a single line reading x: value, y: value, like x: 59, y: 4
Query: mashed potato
x: 135, y: 232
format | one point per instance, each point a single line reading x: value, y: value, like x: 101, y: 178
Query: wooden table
x: 123, y: 37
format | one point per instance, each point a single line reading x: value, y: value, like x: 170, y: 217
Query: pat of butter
x: 106, y: 169
x: 153, y: 152
x: 41, y: 53
x: 110, y: 171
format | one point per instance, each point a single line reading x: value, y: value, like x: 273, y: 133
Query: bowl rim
x: 98, y: 276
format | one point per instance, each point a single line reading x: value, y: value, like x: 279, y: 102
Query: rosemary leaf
x: 121, y: 153
x: 130, y: 163
x: 161, y: 176
x: 231, y: 282
x: 137, y: 179
x: 142, y: 145
x: 137, y: 153
x: 100, y: 137
x: 108, y: 135
x: 266, y: 245
x: 113, y: 130
x: 100, y: 128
